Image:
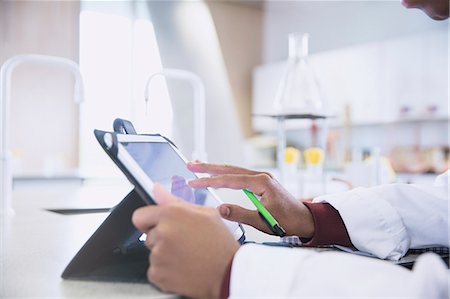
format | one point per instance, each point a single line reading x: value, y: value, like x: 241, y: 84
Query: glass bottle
x: 298, y: 92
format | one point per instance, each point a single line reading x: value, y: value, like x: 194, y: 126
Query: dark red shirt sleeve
x: 329, y: 228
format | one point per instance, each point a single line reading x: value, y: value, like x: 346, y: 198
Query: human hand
x: 291, y: 214
x: 190, y: 245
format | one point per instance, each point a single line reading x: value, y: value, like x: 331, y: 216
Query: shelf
x: 35, y: 178
x: 288, y: 116
x: 66, y: 175
x: 394, y: 122
x: 302, y: 124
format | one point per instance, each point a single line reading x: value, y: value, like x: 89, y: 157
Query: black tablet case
x: 114, y: 252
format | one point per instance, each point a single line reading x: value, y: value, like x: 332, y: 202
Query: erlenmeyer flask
x: 298, y: 91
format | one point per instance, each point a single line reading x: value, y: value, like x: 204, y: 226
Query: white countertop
x: 39, y: 244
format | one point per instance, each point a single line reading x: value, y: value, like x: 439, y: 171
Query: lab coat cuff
x: 373, y: 225
x: 329, y: 229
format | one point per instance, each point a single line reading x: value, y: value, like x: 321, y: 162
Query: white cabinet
x: 377, y: 81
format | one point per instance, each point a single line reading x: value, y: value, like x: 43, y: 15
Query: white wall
x: 188, y: 39
x: 240, y: 33
x: 338, y: 24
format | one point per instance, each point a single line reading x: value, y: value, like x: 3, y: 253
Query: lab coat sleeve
x: 273, y: 272
x: 387, y: 220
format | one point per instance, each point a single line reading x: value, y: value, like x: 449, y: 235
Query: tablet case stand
x: 114, y: 252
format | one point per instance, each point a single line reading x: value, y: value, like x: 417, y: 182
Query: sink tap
x: 6, y: 71
x: 199, y: 152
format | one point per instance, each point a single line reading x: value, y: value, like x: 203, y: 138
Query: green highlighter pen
x: 265, y: 215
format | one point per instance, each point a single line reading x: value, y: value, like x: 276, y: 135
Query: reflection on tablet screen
x: 163, y: 165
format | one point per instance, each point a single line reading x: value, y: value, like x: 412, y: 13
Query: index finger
x: 255, y: 183
x: 217, y: 169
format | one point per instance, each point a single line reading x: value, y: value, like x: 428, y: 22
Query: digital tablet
x: 149, y: 159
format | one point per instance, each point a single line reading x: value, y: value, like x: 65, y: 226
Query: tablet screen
x: 163, y: 165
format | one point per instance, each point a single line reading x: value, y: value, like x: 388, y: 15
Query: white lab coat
x: 260, y: 271
x: 384, y: 221
x: 387, y: 220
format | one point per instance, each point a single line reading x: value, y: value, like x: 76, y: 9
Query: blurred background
x: 382, y: 71
x: 361, y: 100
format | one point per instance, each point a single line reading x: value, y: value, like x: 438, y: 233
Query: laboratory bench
x: 37, y: 244
x: 52, y: 220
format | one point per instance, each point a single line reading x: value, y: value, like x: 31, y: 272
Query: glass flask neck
x: 298, y: 45
x: 298, y: 91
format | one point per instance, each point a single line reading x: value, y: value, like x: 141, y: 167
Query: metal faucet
x: 5, y: 88
x: 199, y: 152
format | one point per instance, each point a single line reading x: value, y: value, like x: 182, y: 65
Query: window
x: 117, y: 55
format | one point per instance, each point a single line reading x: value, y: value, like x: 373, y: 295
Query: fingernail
x: 191, y: 182
x: 225, y: 211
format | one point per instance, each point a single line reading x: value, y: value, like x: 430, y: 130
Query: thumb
x: 162, y: 196
x: 239, y: 214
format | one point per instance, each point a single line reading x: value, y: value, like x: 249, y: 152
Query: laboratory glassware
x: 298, y: 92
x: 298, y: 96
